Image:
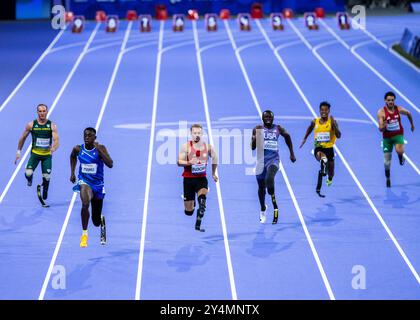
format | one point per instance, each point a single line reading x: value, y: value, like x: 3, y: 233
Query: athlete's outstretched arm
x: 308, y: 132
x: 103, y: 152
x: 73, y: 162
x: 288, y: 141
x: 22, y: 139
x: 254, y: 136
x: 214, y: 162
x: 56, y: 140
x: 409, y: 116
x: 381, y: 120
x: 182, y: 157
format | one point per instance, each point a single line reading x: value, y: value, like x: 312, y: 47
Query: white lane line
x: 295, y: 203
x: 349, y: 169
x: 36, y: 64
x: 149, y: 164
x: 73, y: 199
x: 367, y: 64
x: 57, y: 98
x: 219, y: 192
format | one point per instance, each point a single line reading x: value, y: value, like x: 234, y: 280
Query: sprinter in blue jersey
x: 90, y: 182
x: 265, y: 140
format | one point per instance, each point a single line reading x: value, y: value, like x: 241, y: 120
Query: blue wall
x: 120, y: 7
x: 32, y: 9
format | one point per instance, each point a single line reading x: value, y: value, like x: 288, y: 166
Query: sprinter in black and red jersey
x: 389, y: 119
x: 193, y: 157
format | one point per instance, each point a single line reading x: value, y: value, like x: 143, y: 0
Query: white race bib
x: 198, y: 168
x: 323, y: 137
x: 42, y: 143
x: 89, y: 168
x: 393, y: 125
x: 270, y: 145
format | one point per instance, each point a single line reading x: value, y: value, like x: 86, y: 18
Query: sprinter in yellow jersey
x: 44, y: 143
x: 326, y: 132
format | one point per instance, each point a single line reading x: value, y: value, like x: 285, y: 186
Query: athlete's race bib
x: 270, y: 145
x: 323, y: 137
x: 42, y: 143
x: 393, y: 125
x: 89, y: 168
x: 198, y: 168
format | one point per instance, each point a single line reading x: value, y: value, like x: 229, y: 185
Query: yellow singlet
x: 324, y: 134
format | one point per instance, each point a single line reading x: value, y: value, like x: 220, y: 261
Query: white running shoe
x: 263, y: 216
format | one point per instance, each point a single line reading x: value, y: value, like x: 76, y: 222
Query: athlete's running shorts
x: 98, y: 191
x: 388, y: 143
x: 192, y: 186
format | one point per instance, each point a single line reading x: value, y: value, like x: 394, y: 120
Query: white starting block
x: 244, y: 21
x: 277, y: 21
x: 78, y: 24
x: 310, y: 21
x: 145, y: 23
x: 211, y: 21
x: 178, y: 22
x: 111, y: 23
x: 343, y: 20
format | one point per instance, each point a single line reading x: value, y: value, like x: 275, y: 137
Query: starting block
x: 343, y: 20
x: 310, y: 21
x: 244, y: 21
x: 288, y: 13
x: 277, y: 21
x: 131, y: 15
x: 161, y: 12
x: 100, y: 16
x: 145, y: 23
x: 211, y: 21
x: 192, y: 14
x: 111, y: 23
x: 178, y: 22
x: 68, y: 17
x: 320, y: 13
x: 257, y: 11
x: 224, y: 14
x: 78, y: 24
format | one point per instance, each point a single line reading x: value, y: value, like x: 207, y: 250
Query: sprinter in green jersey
x: 44, y: 142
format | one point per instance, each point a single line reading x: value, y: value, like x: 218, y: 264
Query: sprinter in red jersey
x: 193, y: 157
x: 390, y: 124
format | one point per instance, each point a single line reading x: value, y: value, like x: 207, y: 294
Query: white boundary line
x: 219, y: 192
x: 149, y: 164
x: 374, y: 209
x: 338, y: 79
x: 296, y: 204
x: 73, y: 199
x: 367, y: 64
x: 57, y: 98
x: 28, y: 74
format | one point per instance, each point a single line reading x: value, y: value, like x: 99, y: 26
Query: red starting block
x: 343, y: 20
x: 178, y: 22
x: 145, y: 23
x: 78, y: 24
x: 288, y: 13
x: 68, y: 17
x: 100, y: 16
x: 111, y: 23
x: 224, y: 14
x: 257, y: 11
x: 161, y: 12
x: 192, y: 14
x: 211, y: 21
x: 310, y: 21
x: 277, y: 21
x: 244, y: 21
x: 131, y: 15
x: 320, y: 13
